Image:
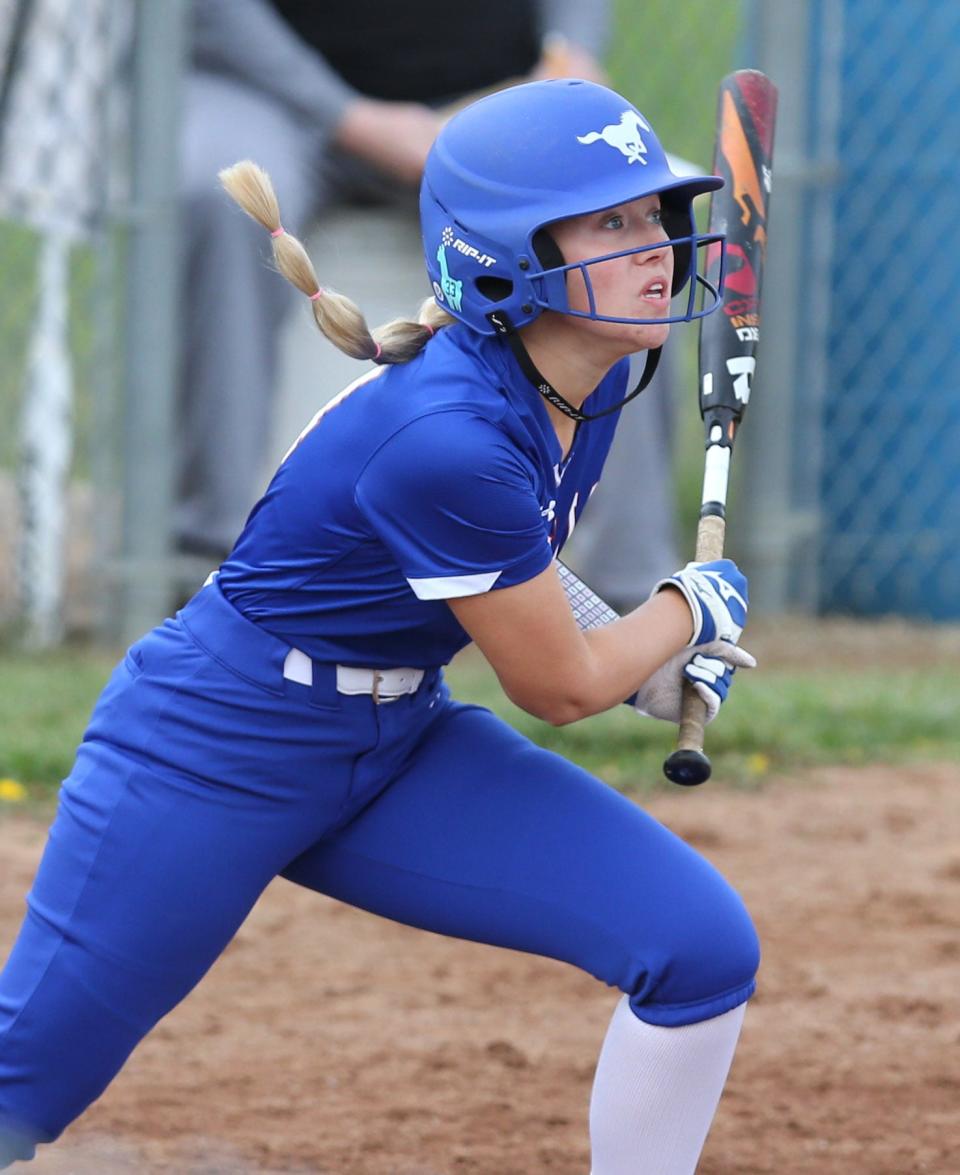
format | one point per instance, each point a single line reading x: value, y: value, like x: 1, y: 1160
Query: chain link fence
x: 890, y: 472
x: 852, y: 501
x: 62, y: 83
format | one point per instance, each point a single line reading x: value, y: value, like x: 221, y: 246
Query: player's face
x: 637, y: 286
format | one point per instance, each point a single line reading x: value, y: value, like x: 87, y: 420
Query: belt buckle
x: 375, y: 692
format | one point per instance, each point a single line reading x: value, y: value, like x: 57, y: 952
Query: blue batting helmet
x: 507, y: 166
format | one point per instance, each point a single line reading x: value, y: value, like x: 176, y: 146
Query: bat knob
x: 687, y: 768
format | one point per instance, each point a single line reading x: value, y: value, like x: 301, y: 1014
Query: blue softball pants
x: 204, y: 774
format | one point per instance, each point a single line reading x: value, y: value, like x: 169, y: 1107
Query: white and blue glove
x: 717, y: 596
x: 710, y: 671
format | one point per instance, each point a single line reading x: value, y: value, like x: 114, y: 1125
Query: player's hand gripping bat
x: 746, y: 114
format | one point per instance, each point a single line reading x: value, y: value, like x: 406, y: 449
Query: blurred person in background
x: 338, y: 104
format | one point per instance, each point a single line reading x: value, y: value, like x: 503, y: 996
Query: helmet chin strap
x: 505, y: 328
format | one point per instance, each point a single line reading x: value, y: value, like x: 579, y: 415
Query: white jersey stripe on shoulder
x: 450, y: 587
x: 332, y: 403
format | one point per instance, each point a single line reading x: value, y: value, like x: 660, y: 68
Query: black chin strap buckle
x: 500, y: 322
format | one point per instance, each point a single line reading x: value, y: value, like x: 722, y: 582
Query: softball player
x: 293, y: 719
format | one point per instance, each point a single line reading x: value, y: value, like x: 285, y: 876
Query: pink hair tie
x: 377, y: 353
x: 318, y: 294
x: 278, y: 232
x: 429, y: 329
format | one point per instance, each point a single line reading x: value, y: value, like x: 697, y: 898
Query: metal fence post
x: 150, y: 343
x: 776, y: 522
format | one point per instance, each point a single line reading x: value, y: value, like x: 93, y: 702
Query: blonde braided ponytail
x: 336, y: 315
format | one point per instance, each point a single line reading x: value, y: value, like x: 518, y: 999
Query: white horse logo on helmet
x: 624, y: 135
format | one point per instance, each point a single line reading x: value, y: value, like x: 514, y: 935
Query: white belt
x: 383, y: 685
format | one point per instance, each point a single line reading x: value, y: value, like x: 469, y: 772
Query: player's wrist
x: 716, y: 595
x: 673, y: 613
x: 686, y: 606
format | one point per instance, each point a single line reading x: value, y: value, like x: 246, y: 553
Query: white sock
x: 656, y: 1091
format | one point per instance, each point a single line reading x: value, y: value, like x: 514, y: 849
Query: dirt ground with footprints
x: 328, y: 1041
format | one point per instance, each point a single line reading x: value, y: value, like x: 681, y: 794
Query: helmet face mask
x: 510, y: 165
x: 551, y: 292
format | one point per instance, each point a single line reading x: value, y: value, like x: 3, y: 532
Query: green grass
x: 776, y: 721
x: 45, y: 701
x: 668, y: 59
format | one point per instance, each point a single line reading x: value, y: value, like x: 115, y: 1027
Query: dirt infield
x: 329, y: 1041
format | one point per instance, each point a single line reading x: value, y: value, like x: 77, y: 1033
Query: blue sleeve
x: 456, y: 505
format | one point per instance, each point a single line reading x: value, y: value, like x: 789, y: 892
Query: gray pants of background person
x: 233, y: 300
x: 626, y: 540
x: 233, y: 307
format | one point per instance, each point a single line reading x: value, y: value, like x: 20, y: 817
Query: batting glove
x: 717, y: 595
x: 710, y: 670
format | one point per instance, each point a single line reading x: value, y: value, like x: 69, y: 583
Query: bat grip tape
x: 711, y: 532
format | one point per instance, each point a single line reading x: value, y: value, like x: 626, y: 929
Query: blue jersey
x: 421, y: 482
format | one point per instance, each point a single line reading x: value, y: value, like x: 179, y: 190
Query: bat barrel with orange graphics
x: 746, y: 115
